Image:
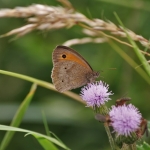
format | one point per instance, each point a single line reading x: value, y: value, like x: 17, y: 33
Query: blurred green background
x: 31, y: 55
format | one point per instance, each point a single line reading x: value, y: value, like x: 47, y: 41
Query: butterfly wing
x: 69, y: 76
x: 70, y: 69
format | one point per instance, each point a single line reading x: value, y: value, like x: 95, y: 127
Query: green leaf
x: 45, y: 124
x: 139, y: 147
x: 48, y: 132
x: 18, y: 117
x: 42, y: 83
x: 50, y: 139
x: 46, y: 144
x: 144, y: 146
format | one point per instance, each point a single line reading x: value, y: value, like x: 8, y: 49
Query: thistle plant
x: 124, y: 119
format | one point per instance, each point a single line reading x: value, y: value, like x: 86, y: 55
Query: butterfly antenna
x: 107, y: 69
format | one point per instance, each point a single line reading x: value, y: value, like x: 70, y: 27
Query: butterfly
x: 70, y: 69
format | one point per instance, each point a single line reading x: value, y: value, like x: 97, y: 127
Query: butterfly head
x: 92, y: 76
x: 96, y: 74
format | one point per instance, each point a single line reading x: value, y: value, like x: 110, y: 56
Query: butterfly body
x: 70, y: 69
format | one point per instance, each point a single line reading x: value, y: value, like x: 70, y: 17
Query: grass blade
x: 18, y: 117
x: 48, y: 132
x: 42, y: 83
x: 130, y: 61
x: 51, y: 139
x: 45, y: 124
x: 46, y: 144
x: 136, y: 49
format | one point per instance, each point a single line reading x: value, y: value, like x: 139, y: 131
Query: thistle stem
x: 111, y: 141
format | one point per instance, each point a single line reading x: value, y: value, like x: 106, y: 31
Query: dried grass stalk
x: 43, y: 17
x: 85, y: 40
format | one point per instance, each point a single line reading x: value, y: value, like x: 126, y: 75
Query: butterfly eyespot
x: 62, y: 81
x: 63, y: 56
x: 65, y: 68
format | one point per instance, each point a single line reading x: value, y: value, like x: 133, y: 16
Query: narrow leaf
x: 146, y: 146
x: 18, y: 117
x: 130, y: 61
x: 46, y: 144
x: 55, y: 141
x: 45, y: 124
x: 136, y: 49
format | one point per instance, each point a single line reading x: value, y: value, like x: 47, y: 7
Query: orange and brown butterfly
x: 70, y: 69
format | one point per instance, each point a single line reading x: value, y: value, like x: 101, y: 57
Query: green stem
x: 42, y: 83
x: 30, y: 79
x: 103, y: 110
x: 111, y: 141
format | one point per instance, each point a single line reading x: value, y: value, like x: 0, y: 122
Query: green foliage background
x: 31, y: 55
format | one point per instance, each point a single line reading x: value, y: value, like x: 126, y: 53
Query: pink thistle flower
x: 125, y: 119
x: 96, y: 94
